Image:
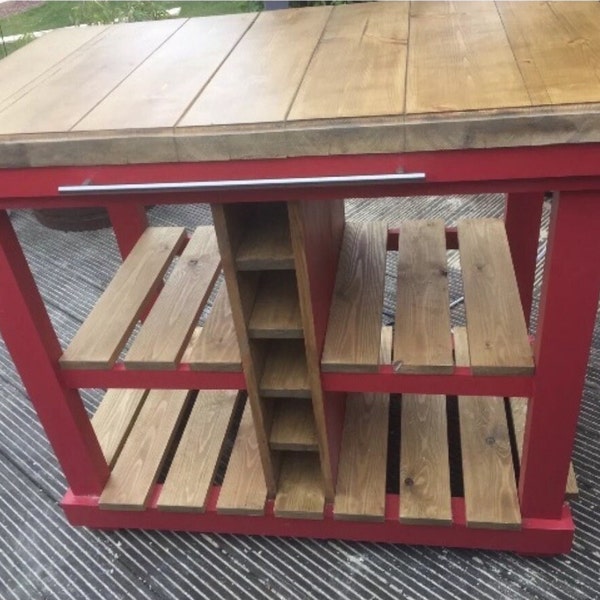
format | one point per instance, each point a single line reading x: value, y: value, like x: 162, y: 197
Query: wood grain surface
x: 293, y: 425
x: 422, y: 340
x: 168, y: 327
x: 102, y: 335
x: 139, y: 463
x: 193, y: 468
x: 285, y: 373
x: 498, y: 339
x: 354, y: 329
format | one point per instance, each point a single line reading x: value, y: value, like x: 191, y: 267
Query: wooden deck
x: 362, y: 78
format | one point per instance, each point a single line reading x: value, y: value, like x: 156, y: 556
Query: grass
x: 55, y: 14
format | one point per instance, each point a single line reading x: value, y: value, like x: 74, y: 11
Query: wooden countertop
x: 361, y: 78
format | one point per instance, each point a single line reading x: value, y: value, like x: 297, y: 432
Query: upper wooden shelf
x: 358, y: 78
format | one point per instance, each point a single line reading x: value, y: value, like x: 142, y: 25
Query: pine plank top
x: 358, y: 78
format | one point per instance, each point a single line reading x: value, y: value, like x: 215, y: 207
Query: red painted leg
x: 29, y: 336
x: 567, y: 316
x: 523, y: 215
x: 129, y: 221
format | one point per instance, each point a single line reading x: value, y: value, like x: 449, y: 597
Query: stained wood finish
x: 293, y: 425
x: 518, y: 408
x: 356, y: 68
x: 271, y: 78
x: 360, y: 491
x: 285, y: 372
x: 354, y: 329
x: 167, y: 329
x: 114, y: 419
x: 193, y: 468
x: 101, y: 337
x: 422, y: 340
x: 425, y: 496
x: 489, y: 479
x: 214, y: 347
x: 300, y: 488
x: 139, y: 463
x: 244, y: 491
x: 498, y: 340
x: 276, y: 312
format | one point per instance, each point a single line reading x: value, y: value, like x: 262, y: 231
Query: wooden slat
x: 158, y: 92
x: 270, y: 66
x: 137, y: 468
x: 276, y: 312
x: 65, y: 97
x: 293, y: 425
x: 114, y: 419
x: 518, y: 408
x: 101, y: 337
x: 463, y: 48
x: 425, y: 496
x: 300, y: 491
x: 556, y: 46
x: 354, y: 329
x: 498, y: 341
x: 490, y: 488
x: 42, y: 58
x: 214, y: 347
x: 422, y: 340
x: 266, y: 243
x: 285, y: 374
x: 167, y: 329
x: 360, y: 491
x: 194, y: 464
x: 358, y: 67
x: 244, y: 491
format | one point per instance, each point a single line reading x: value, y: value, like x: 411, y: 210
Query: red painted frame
x: 567, y: 315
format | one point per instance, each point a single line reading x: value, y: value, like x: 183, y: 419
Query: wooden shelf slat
x: 215, y: 347
x: 285, y: 373
x: 136, y: 470
x: 422, y: 339
x: 244, y: 491
x: 300, y: 490
x: 518, y: 409
x: 293, y: 425
x: 266, y: 243
x: 425, y: 496
x: 353, y: 335
x: 194, y: 464
x: 276, y: 312
x: 101, y: 337
x: 498, y: 340
x: 114, y: 419
x: 360, y: 490
x: 163, y: 337
x: 490, y: 488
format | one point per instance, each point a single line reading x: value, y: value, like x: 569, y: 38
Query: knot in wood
x: 490, y: 440
x: 408, y: 482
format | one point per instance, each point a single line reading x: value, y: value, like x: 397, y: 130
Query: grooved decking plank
x: 360, y: 492
x: 285, y: 372
x: 244, y: 491
x: 353, y: 337
x: 518, y: 408
x: 194, y: 464
x: 101, y: 337
x: 422, y: 339
x: 491, y: 498
x: 300, y: 491
x: 425, y: 496
x: 167, y: 329
x: 114, y: 419
x: 136, y: 470
x: 293, y: 425
x: 215, y: 347
x: 276, y: 312
x: 498, y: 340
